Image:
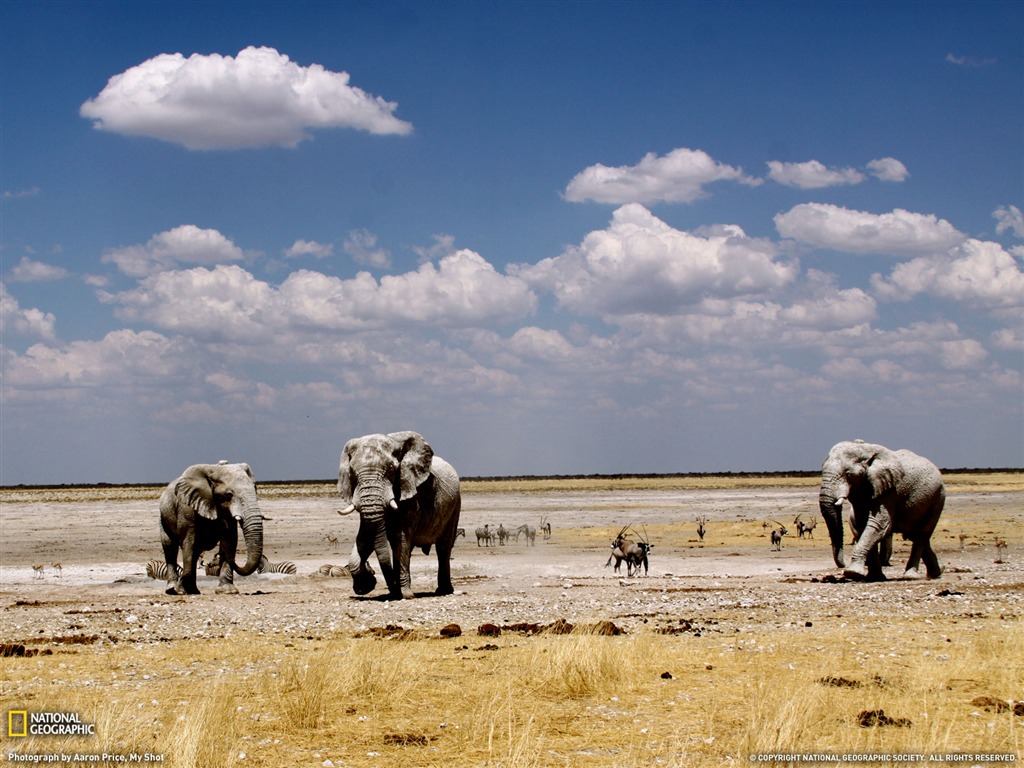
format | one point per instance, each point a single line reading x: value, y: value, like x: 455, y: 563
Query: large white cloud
x: 14, y: 320
x: 678, y: 177
x: 187, y: 244
x: 898, y: 233
x: 112, y: 361
x: 979, y: 273
x: 258, y: 98
x: 640, y: 264
x: 227, y: 302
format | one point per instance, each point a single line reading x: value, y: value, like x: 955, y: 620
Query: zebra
x: 531, y: 534
x: 484, y: 534
x: 159, y: 570
x: 503, y: 534
x: 285, y: 566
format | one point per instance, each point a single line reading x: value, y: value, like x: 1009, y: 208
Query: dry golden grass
x: 955, y: 482
x: 550, y: 700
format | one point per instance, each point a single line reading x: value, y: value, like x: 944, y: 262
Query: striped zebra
x: 286, y: 566
x: 159, y: 570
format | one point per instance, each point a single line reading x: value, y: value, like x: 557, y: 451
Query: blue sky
x: 552, y: 237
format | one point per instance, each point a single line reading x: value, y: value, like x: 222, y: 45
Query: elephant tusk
x: 347, y: 510
x: 839, y: 502
x: 238, y: 518
x: 393, y: 505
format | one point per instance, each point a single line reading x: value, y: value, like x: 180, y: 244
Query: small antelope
x: 58, y: 568
x: 38, y: 569
x: 1000, y: 548
x: 702, y: 526
x: 331, y: 538
x: 777, y: 534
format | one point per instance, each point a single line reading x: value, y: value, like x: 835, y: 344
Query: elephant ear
x: 194, y: 488
x: 883, y: 472
x: 345, y: 473
x: 414, y: 456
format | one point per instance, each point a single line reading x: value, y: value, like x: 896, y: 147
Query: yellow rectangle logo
x: 17, y: 722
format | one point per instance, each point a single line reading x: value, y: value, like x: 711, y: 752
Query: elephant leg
x: 865, y: 561
x: 886, y: 550
x: 874, y: 564
x: 189, y: 558
x: 444, y: 547
x: 171, y: 558
x: 931, y: 560
x: 400, y: 585
x: 228, y: 546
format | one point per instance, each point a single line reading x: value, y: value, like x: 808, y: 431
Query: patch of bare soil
x: 731, y: 579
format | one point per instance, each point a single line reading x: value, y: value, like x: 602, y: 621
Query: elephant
x: 201, y: 510
x: 406, y: 497
x: 889, y: 492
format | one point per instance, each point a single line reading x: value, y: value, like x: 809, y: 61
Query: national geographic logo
x: 21, y: 722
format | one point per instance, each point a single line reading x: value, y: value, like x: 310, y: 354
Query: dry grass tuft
x: 582, y: 699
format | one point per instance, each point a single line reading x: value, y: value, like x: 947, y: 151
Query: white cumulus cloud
x: 978, y: 273
x: 187, y: 244
x: 229, y: 303
x: 899, y: 232
x: 640, y: 264
x: 888, y: 169
x: 362, y: 246
x: 678, y: 177
x: 1009, y: 219
x: 309, y: 248
x: 24, y: 322
x: 31, y: 271
x: 258, y: 98
x: 811, y: 175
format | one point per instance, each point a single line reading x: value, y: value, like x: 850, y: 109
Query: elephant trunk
x: 252, y: 529
x: 830, y: 503
x: 372, y: 495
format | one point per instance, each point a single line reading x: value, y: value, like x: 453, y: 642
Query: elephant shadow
x: 387, y: 597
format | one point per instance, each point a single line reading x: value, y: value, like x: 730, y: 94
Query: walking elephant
x: 201, y: 510
x: 889, y: 492
x: 406, y: 497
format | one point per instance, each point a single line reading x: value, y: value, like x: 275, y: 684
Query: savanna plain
x: 726, y: 653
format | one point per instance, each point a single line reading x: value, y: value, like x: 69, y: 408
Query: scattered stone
x: 870, y: 718
x: 991, y: 703
x: 405, y: 739
x: 451, y: 630
x: 839, y: 682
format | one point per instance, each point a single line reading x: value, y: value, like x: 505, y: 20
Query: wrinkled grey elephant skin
x: 888, y: 492
x: 406, y: 497
x: 201, y: 510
